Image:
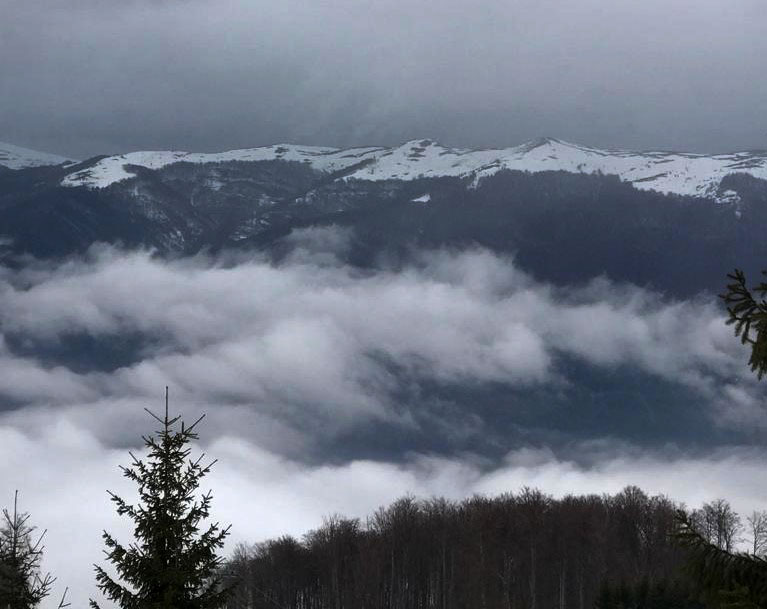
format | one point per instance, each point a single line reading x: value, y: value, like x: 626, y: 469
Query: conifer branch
x: 734, y: 579
x: 749, y: 316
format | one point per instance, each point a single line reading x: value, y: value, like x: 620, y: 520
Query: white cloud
x: 304, y: 337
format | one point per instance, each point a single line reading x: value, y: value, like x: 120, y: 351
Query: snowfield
x: 667, y: 172
x: 16, y: 157
x: 115, y: 168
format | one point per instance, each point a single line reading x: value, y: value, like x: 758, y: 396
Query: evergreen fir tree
x: 170, y: 565
x: 22, y: 586
x: 733, y: 579
x: 730, y: 579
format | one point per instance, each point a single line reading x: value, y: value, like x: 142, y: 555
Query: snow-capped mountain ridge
x: 667, y: 172
x: 16, y: 157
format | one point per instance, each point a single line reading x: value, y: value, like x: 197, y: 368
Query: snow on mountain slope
x: 16, y: 157
x: 667, y: 172
x: 114, y: 168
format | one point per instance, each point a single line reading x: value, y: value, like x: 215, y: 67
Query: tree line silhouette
x: 516, y: 550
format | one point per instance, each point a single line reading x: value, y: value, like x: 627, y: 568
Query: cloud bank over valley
x: 329, y: 388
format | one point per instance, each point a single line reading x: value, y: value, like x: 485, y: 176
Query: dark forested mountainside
x: 516, y: 550
x: 562, y: 227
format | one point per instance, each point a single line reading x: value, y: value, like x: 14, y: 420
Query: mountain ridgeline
x: 547, y: 203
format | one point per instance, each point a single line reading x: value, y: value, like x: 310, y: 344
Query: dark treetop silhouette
x: 170, y: 565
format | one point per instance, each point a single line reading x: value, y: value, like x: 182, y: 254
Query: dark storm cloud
x: 89, y: 77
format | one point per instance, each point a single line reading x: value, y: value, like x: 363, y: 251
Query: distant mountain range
x: 675, y: 221
x: 667, y: 172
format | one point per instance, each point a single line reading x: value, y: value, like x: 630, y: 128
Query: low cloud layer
x: 292, y: 360
x: 310, y: 339
x: 93, y: 77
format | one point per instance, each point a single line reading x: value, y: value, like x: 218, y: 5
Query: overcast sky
x: 87, y: 77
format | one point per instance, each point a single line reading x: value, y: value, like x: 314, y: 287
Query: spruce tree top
x: 170, y: 565
x: 22, y: 585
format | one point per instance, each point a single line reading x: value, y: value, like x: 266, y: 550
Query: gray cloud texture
x: 311, y: 338
x: 87, y: 77
x: 285, y: 356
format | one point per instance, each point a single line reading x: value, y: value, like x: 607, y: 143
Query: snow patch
x: 113, y: 169
x: 729, y: 196
x: 422, y: 199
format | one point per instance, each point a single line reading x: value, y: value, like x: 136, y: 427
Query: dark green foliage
x: 733, y: 579
x: 22, y: 586
x: 749, y: 316
x: 170, y: 565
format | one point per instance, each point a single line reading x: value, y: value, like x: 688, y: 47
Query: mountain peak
x: 423, y: 143
x: 550, y: 142
x: 543, y: 141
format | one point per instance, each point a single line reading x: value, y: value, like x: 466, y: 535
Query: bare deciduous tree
x: 515, y: 551
x: 757, y: 529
